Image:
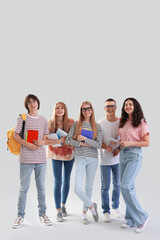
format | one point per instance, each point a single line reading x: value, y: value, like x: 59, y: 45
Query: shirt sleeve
x: 143, y: 129
x: 69, y: 139
x: 46, y: 130
x: 18, y: 127
x: 97, y: 142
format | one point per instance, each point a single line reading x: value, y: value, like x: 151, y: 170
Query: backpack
x: 12, y: 145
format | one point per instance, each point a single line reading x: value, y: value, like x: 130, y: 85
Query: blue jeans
x: 88, y: 166
x: 105, y: 186
x: 130, y: 164
x: 25, y: 175
x: 59, y: 182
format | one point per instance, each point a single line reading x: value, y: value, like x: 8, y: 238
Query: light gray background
x: 69, y: 50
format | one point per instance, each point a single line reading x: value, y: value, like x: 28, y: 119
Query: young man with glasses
x: 109, y: 160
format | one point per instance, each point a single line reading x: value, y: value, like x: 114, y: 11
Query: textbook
x: 32, y: 135
x: 86, y: 132
x: 61, y: 133
x: 54, y: 136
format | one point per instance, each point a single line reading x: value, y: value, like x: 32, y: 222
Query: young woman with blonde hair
x: 86, y: 156
x: 62, y: 157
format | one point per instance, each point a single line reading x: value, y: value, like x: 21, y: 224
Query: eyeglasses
x: 86, y: 109
x: 110, y: 106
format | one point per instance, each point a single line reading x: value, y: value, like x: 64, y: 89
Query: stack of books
x: 57, y: 135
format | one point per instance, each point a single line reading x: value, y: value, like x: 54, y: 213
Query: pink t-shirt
x: 129, y: 133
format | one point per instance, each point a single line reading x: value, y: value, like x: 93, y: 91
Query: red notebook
x: 32, y: 135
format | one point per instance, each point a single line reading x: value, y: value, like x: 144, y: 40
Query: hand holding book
x: 81, y: 138
x: 32, y: 135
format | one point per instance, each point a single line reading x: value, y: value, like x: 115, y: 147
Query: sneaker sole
x: 126, y: 226
x: 48, y: 224
x: 59, y: 220
x: 18, y: 226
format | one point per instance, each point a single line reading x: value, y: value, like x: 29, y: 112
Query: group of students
x: 119, y: 142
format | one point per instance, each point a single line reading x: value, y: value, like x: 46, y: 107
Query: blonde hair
x: 81, y: 119
x: 52, y: 124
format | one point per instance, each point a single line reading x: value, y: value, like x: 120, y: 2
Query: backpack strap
x: 23, y: 116
x: 23, y: 125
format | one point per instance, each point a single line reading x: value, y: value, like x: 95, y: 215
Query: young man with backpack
x: 32, y: 158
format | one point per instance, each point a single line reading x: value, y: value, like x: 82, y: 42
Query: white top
x: 109, y: 130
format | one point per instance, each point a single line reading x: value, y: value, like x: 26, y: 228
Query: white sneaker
x: 45, y: 220
x: 85, y: 221
x: 125, y: 225
x: 107, y: 217
x: 116, y: 213
x: 141, y: 227
x: 18, y: 222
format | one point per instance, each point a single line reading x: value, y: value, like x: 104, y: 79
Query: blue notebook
x: 86, y: 133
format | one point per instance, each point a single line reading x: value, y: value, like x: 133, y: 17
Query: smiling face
x: 86, y: 111
x: 110, y: 108
x: 59, y: 110
x: 129, y: 107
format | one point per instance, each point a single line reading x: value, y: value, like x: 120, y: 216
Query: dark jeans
x: 105, y: 186
x: 61, y: 181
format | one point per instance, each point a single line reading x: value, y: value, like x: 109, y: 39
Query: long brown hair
x: 52, y: 124
x: 137, y: 113
x: 81, y: 119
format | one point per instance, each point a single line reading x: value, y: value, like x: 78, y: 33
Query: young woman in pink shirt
x: 133, y: 131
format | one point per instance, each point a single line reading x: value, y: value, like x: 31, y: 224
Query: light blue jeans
x: 25, y: 175
x: 85, y: 167
x: 130, y: 164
